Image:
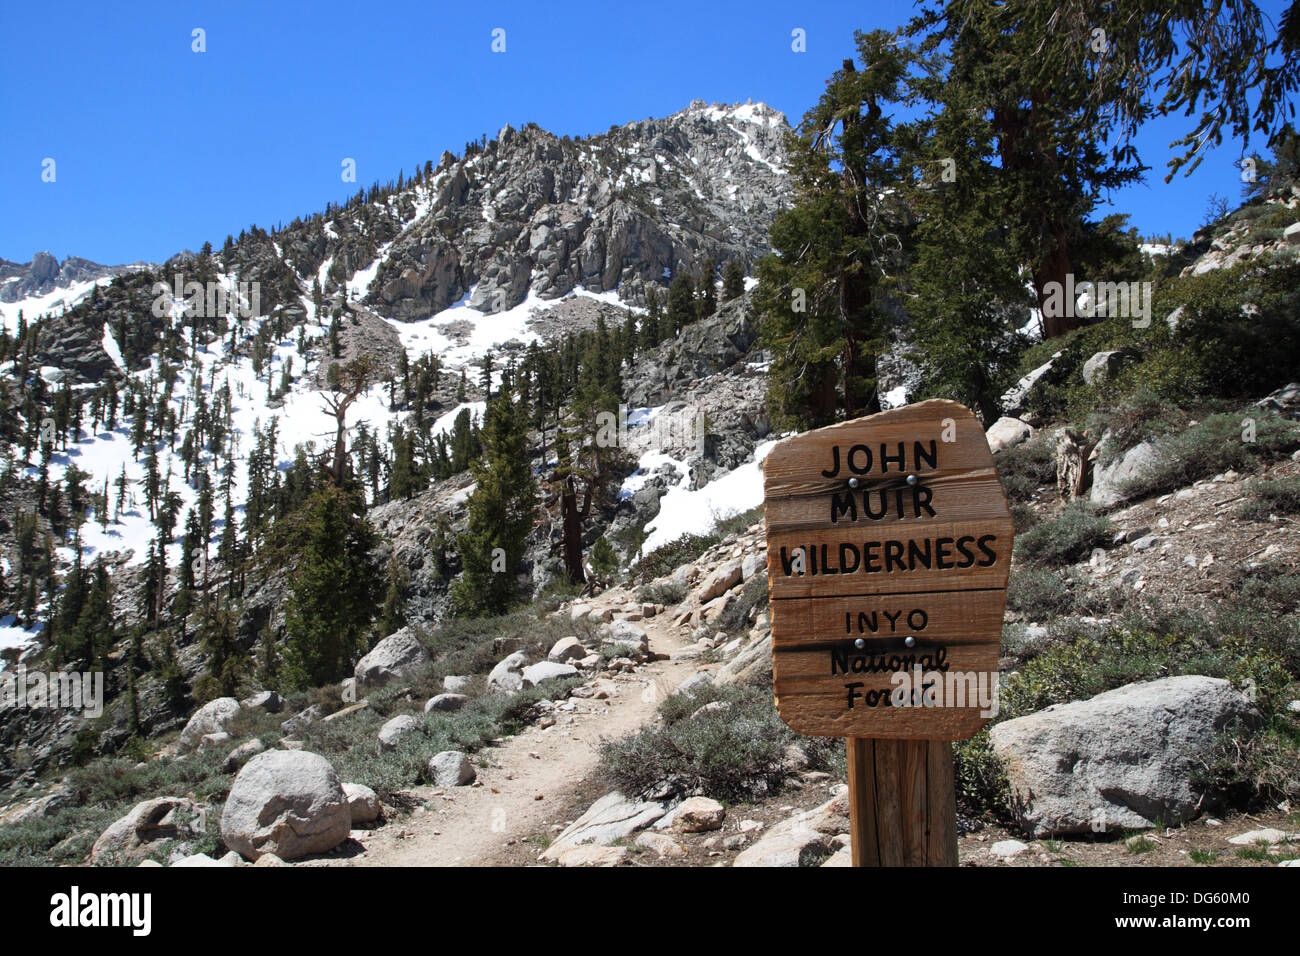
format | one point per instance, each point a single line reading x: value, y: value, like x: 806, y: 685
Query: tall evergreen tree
x: 838, y: 247
x: 335, y: 589
x: 501, y: 511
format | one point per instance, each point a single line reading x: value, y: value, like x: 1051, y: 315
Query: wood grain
x: 948, y: 555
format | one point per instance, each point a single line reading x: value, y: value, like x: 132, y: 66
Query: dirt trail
x: 472, y: 826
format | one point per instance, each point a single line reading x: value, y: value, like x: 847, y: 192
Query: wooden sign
x: 888, y: 548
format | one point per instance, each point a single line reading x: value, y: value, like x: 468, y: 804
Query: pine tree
x: 706, y: 291
x: 392, y: 617
x: 500, y: 513
x: 733, y: 280
x: 335, y: 588
x: 819, y: 296
x: 681, y: 304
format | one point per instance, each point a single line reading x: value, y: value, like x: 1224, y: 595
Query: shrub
x: 752, y: 596
x: 1215, y: 445
x: 666, y: 592
x: 981, y: 780
x: 1069, y: 537
x: 1281, y: 496
x: 1026, y: 468
x: 734, y: 754
x: 671, y: 556
x: 1033, y: 590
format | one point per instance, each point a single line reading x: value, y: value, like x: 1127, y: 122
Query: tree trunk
x: 572, y: 530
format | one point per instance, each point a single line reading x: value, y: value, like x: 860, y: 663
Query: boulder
x: 302, y: 720
x: 1104, y: 365
x: 610, y: 818
x: 1108, y: 480
x: 363, y: 803
x: 567, y: 649
x: 395, y: 729
x: 286, y: 802
x: 630, y: 639
x: 753, y: 665
x: 752, y: 564
x: 445, y: 703
x: 242, y: 754
x: 1123, y: 759
x: 534, y: 674
x: 1292, y: 234
x: 451, y: 768
x: 508, y: 677
x: 722, y: 580
x: 136, y: 835
x: 213, y: 741
x: 267, y: 701
x: 1007, y: 432
x: 212, y: 718
x: 398, y: 654
x: 456, y: 684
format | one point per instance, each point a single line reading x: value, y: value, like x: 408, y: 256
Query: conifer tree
x: 501, y: 512
x: 733, y: 280
x: 335, y: 589
x: 838, y: 246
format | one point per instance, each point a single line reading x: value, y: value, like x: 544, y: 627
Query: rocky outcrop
x: 610, y: 818
x: 533, y: 213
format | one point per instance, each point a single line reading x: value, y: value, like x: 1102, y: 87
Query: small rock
x: 698, y: 815
x: 589, y: 855
x: 451, y: 768
x: 1269, y: 835
x: 664, y: 846
x: 363, y: 802
x: 1008, y: 849
x: 567, y: 649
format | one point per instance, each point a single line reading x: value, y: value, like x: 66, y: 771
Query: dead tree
x: 353, y: 379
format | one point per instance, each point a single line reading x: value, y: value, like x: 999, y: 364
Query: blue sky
x: 158, y: 148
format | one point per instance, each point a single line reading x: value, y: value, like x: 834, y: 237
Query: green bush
x: 351, y: 744
x: 671, y: 556
x: 1281, y: 496
x: 1071, y: 536
x: 1026, y: 467
x: 1215, y: 445
x: 981, y: 779
x: 735, y: 619
x: 666, y: 592
x: 734, y: 754
x: 1035, y: 590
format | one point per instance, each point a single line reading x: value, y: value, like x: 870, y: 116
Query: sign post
x: 888, y: 549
